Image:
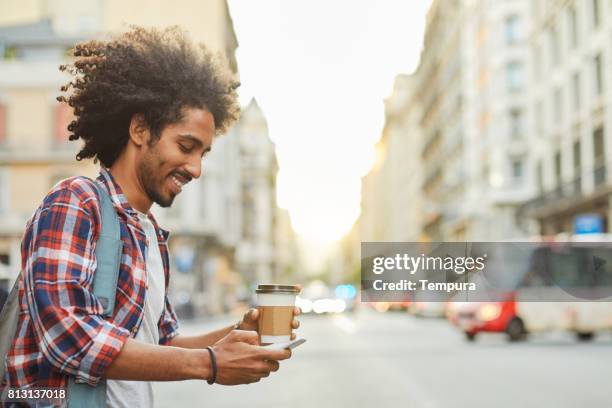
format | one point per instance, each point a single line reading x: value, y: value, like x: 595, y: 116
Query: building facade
x: 391, y: 205
x: 571, y: 103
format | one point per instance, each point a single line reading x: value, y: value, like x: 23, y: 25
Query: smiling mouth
x: 179, y: 181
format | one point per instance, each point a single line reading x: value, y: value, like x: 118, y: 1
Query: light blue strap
x: 108, y: 254
x: 85, y: 396
x: 108, y: 257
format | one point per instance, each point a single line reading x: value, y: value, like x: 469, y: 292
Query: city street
x: 371, y: 359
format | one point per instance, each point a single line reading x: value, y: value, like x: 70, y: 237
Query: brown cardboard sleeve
x: 275, y: 320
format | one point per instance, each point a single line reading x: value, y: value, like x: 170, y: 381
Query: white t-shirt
x: 136, y: 394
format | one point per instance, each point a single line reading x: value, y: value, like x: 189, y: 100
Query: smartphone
x: 289, y: 344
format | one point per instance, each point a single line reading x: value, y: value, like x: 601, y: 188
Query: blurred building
x: 513, y: 105
x: 391, y: 204
x: 440, y: 93
x: 496, y: 177
x: 473, y: 94
x: 266, y: 249
x: 288, y: 262
x: 348, y: 256
x: 571, y: 102
x: 34, y: 148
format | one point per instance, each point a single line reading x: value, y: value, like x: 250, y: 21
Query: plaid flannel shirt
x: 61, y: 332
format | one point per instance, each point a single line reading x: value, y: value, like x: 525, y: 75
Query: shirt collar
x: 115, y: 192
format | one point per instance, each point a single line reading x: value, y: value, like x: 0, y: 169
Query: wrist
x: 201, y: 367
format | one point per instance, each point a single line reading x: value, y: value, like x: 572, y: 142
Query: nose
x: 194, y: 167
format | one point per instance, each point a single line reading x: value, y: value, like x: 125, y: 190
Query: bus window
x: 602, y: 265
x: 536, y: 275
x: 568, y: 267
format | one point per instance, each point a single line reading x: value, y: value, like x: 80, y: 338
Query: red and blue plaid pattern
x: 61, y: 331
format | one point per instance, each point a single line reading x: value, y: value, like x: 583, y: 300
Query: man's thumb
x: 253, y: 314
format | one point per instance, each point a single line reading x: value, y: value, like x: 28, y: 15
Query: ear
x: 139, y: 130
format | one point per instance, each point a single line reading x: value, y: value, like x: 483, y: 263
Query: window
x: 596, y: 13
x: 577, y: 153
x: 573, y: 24
x: 517, y: 171
x: 516, y: 123
x: 567, y: 267
x: 577, y: 157
x: 598, y: 145
x: 602, y: 266
x: 514, y: 32
x: 514, y: 76
x: 599, y: 165
x: 537, y: 276
x: 576, y: 90
x: 599, y: 82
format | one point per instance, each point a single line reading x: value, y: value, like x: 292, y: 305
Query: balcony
x: 568, y: 196
x: 24, y: 155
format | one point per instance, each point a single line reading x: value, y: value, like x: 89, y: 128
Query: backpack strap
x: 108, y: 258
x: 108, y: 253
x: 9, y: 317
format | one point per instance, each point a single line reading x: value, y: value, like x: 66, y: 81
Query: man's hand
x: 240, y: 360
x: 250, y: 318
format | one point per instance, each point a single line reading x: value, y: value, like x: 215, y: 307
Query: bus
x: 550, y: 285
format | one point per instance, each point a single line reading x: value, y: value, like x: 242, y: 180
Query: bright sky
x: 320, y: 70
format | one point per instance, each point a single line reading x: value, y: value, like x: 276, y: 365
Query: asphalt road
x: 371, y: 359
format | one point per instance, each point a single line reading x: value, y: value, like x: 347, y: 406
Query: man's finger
x: 274, y: 365
x: 297, y: 311
x: 295, y: 323
x: 246, y: 336
x: 293, y: 336
x: 277, y: 354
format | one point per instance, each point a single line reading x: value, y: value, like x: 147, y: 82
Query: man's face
x: 176, y: 157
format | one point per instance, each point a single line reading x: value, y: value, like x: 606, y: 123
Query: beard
x: 152, y: 181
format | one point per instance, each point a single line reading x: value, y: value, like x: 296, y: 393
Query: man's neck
x: 124, y: 173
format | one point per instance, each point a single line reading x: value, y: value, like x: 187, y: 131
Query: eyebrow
x: 195, y: 140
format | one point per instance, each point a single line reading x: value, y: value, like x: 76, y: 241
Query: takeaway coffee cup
x: 275, y: 304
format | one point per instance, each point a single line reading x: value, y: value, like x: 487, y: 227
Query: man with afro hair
x: 147, y: 104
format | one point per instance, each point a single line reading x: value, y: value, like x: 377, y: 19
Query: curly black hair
x: 153, y: 72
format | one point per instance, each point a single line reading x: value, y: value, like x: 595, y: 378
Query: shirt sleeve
x: 168, y: 324
x: 70, y: 330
